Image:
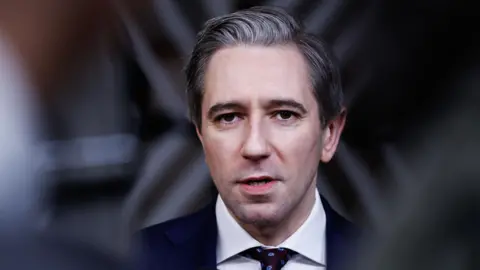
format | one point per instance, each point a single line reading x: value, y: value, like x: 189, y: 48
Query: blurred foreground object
x: 41, y: 43
x: 22, y: 161
x: 64, y: 125
x: 29, y: 251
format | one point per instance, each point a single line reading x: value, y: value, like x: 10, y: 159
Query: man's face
x: 261, y: 131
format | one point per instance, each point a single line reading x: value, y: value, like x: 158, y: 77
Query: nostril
x: 255, y: 157
x: 256, y: 149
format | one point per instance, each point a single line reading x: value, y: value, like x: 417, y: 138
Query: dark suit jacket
x: 189, y: 243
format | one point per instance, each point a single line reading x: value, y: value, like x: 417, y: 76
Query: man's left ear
x: 331, y: 136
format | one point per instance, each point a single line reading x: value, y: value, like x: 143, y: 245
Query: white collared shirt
x: 308, y: 241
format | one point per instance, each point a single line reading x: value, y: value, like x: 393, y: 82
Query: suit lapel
x: 196, y: 241
x: 340, y: 238
x: 207, y: 243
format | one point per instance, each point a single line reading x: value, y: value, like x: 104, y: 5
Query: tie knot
x: 270, y: 258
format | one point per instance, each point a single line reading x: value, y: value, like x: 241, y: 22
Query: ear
x: 199, y: 133
x: 331, y: 136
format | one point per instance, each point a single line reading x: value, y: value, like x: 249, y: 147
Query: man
x: 266, y: 101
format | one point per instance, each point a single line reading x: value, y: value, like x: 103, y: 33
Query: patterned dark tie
x: 270, y: 258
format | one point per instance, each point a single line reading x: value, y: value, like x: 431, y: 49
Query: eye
x: 285, y: 115
x: 227, y: 118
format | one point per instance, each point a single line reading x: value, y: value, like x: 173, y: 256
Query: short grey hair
x: 266, y: 26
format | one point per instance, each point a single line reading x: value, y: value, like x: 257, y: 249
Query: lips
x: 256, y: 181
x: 259, y: 185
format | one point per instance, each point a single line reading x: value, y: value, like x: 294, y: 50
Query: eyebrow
x: 224, y: 106
x: 287, y: 103
x: 270, y: 104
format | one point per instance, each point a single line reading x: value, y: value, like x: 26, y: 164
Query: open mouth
x: 257, y: 181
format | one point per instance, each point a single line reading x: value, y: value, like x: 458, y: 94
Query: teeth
x: 257, y: 183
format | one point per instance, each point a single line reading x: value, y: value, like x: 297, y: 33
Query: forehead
x: 247, y: 73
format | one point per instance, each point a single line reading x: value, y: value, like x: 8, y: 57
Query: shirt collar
x: 308, y: 240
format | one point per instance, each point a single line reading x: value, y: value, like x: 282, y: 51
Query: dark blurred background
x: 126, y: 155
x: 406, y: 65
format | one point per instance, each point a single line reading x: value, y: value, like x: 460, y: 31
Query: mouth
x: 258, y: 185
x: 257, y: 181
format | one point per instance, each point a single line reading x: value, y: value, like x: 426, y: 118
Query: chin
x: 258, y: 216
x: 266, y: 222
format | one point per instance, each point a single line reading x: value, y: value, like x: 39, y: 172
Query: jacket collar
x: 197, y: 237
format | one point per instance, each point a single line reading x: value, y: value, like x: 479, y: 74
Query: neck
x: 274, y: 235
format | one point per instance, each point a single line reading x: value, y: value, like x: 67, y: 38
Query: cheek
x: 220, y: 152
x: 298, y: 146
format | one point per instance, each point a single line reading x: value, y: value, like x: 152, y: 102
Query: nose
x: 256, y: 146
